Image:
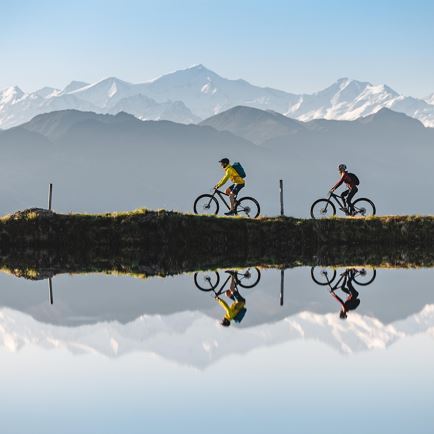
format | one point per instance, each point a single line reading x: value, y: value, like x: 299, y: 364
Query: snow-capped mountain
x: 350, y: 99
x: 196, y: 93
x: 110, y: 95
x: 207, y: 93
x: 430, y: 99
x: 195, y: 339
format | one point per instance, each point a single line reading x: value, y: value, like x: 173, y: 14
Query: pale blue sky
x: 294, y: 45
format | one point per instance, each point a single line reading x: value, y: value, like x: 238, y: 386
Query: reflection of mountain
x: 194, y: 339
x: 90, y: 299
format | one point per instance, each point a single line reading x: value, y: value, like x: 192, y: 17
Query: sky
x: 293, y: 45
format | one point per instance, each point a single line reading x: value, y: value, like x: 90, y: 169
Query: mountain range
x: 196, y: 93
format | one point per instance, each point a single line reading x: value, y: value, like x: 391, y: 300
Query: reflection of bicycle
x: 323, y: 208
x: 326, y: 276
x: 208, y: 204
x: 209, y: 280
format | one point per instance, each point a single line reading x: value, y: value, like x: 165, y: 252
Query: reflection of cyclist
x: 352, y: 301
x: 234, y: 189
x: 351, y: 184
x: 236, y: 310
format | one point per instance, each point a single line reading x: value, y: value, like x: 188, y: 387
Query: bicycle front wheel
x: 206, y: 204
x: 364, y: 207
x: 249, y: 277
x: 206, y: 280
x: 248, y: 207
x: 322, y: 208
x: 322, y: 275
x: 364, y: 277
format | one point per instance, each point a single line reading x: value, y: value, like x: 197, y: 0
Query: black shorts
x: 235, y: 188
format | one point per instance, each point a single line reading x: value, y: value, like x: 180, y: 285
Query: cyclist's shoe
x: 230, y: 213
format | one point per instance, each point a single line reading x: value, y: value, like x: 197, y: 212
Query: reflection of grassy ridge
x: 36, y: 243
x: 41, y: 264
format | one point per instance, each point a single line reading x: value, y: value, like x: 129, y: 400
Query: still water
x: 118, y: 354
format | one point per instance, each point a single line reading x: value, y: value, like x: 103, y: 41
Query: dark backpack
x: 239, y: 169
x: 354, y: 178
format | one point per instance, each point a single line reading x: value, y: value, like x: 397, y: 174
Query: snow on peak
x: 47, y: 92
x: 430, y: 99
x: 74, y: 85
x: 11, y: 95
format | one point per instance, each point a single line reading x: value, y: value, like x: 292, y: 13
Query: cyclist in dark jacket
x: 348, y: 194
x: 352, y: 301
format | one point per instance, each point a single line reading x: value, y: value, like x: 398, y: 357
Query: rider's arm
x: 223, y: 180
x: 224, y: 305
x: 339, y: 182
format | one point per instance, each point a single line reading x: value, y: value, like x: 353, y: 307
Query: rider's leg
x: 344, y: 195
x: 351, y: 194
x: 230, y: 193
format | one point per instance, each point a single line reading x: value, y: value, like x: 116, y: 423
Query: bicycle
x: 323, y: 208
x: 361, y: 276
x: 208, y: 204
x: 209, y: 280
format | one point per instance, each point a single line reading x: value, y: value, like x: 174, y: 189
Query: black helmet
x: 225, y: 322
x: 224, y: 161
x: 342, y: 167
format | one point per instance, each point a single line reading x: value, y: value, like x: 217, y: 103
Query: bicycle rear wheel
x: 248, y: 207
x: 206, y: 280
x: 206, y: 204
x: 249, y: 277
x: 364, y: 207
x: 322, y: 208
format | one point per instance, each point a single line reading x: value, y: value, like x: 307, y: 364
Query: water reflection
x: 209, y: 281
x: 344, y: 282
x: 149, y: 348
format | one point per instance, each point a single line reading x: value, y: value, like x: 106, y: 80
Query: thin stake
x: 50, y: 196
x: 50, y: 287
x: 281, y: 197
x: 282, y: 285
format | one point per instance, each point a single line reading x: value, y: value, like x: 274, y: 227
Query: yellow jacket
x: 233, y: 310
x: 232, y: 174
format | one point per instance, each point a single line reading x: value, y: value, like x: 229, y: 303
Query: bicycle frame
x: 222, y: 195
x: 338, y: 199
x: 221, y: 290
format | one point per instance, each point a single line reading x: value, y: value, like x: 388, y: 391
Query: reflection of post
x: 282, y: 284
x: 50, y: 287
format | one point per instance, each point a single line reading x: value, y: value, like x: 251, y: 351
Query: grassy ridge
x: 38, y: 243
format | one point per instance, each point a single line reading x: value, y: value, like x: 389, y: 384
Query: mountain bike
x: 324, y: 276
x: 323, y: 208
x: 209, y: 280
x: 208, y: 204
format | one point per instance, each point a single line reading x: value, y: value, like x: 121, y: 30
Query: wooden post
x: 50, y: 196
x: 50, y: 289
x: 282, y: 285
x: 281, y: 197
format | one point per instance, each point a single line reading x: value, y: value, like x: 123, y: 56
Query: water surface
x: 118, y: 354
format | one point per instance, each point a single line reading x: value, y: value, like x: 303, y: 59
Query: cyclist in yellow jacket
x: 237, y: 309
x: 237, y: 183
